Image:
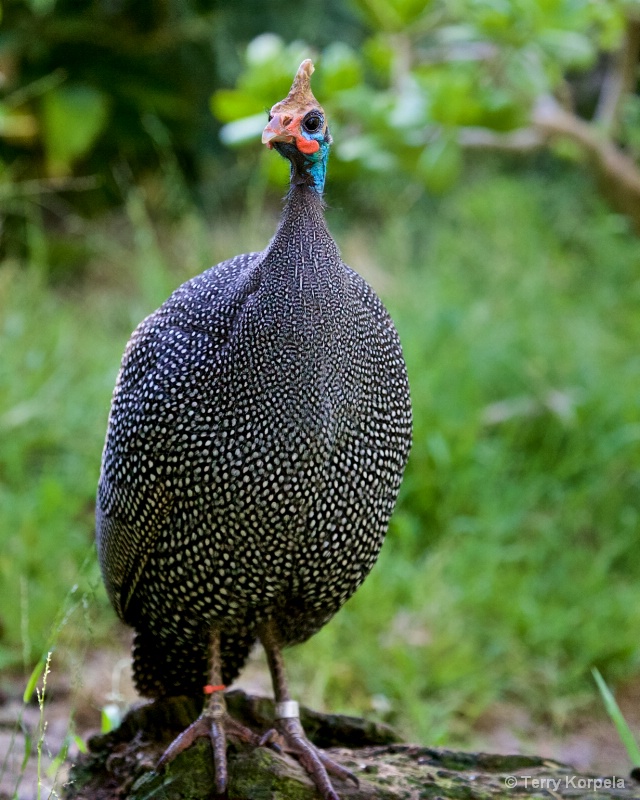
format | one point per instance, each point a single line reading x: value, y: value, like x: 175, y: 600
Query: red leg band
x: 209, y: 689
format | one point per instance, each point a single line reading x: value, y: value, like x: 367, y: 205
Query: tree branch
x: 619, y: 175
x: 619, y: 79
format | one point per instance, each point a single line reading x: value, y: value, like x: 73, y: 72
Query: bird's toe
x: 219, y: 729
x: 316, y: 762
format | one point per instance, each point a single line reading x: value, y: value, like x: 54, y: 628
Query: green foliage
x: 93, y: 94
x: 77, y: 99
x: 118, y: 66
x: 105, y: 85
x: 395, y: 16
x: 428, y: 69
x: 401, y: 80
x: 72, y: 119
x: 51, y: 393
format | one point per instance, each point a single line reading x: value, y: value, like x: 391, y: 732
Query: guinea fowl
x: 258, y: 433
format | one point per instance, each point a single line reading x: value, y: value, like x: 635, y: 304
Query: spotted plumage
x: 258, y: 433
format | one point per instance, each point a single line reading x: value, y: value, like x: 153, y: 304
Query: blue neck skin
x: 307, y: 169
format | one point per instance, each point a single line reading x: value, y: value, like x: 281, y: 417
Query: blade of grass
x: 34, y: 678
x: 66, y: 610
x: 42, y: 726
x: 613, y: 710
x: 28, y: 745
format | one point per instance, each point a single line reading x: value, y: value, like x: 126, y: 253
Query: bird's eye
x: 312, y: 122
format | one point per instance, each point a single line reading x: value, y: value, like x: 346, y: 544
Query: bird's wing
x: 168, y: 371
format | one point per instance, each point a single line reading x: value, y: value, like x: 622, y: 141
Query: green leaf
x: 244, y: 130
x: 454, y: 94
x: 340, y: 69
x: 379, y: 55
x: 393, y: 15
x: 266, y: 47
x: 110, y: 718
x: 28, y: 746
x: 73, y: 118
x: 33, y: 679
x: 368, y: 151
x: 229, y: 105
x: 572, y: 49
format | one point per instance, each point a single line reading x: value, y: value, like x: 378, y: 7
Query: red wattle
x: 307, y: 146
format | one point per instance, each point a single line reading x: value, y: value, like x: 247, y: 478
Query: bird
x: 258, y: 433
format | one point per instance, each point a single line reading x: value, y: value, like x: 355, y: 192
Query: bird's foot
x: 317, y: 764
x: 218, y: 726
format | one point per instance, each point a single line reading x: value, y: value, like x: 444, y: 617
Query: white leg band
x: 289, y: 709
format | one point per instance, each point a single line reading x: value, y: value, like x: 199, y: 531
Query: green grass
x: 511, y: 567
x: 54, y: 382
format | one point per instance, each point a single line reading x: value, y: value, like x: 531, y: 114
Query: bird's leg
x: 215, y: 723
x: 317, y: 763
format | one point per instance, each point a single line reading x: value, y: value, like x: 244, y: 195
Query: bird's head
x: 297, y: 129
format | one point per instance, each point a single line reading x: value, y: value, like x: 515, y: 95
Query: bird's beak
x: 276, y: 131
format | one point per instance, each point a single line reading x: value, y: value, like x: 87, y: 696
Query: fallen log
x: 120, y: 765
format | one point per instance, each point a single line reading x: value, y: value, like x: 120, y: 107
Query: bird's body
x: 257, y: 438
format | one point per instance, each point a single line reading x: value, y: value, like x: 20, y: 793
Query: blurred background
x: 485, y: 179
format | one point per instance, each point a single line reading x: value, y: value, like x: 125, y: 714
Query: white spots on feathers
x: 258, y: 434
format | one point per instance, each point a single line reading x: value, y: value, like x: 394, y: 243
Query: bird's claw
x: 201, y: 727
x: 317, y: 763
x: 217, y: 728
x: 270, y: 739
x: 289, y: 736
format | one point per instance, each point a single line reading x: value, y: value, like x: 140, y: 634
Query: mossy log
x: 121, y: 764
